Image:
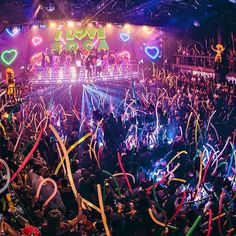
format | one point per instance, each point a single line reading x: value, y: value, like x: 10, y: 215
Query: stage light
x: 108, y: 25
x: 70, y: 24
x: 147, y: 29
x: 196, y: 23
x: 13, y: 31
x: 127, y: 26
x: 9, y: 56
x: 152, y: 51
x: 36, y: 40
x: 90, y: 25
x: 34, y: 27
x: 73, y: 73
x: 52, y: 24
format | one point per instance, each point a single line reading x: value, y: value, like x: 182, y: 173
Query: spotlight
x: 90, y: 25
x: 108, y: 25
x: 70, y: 24
x: 34, y: 26
x: 50, y: 7
x: 196, y: 23
x: 127, y: 26
x: 52, y: 25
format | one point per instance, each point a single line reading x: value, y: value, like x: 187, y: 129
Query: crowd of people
x: 158, y: 160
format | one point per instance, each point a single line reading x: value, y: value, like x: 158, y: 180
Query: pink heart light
x: 36, y: 40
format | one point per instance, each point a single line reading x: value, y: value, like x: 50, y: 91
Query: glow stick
x: 219, y: 212
x: 128, y: 174
x: 209, y: 121
x: 179, y: 180
x: 206, y: 168
x: 71, y: 181
x: 231, y: 160
x: 179, y: 207
x: 8, y: 176
x: 186, y: 130
x: 217, y: 136
x: 196, y: 129
x: 215, y: 218
x: 70, y: 149
x: 3, y: 106
x: 52, y: 195
x: 18, y: 139
x: 158, y: 222
x: 104, y: 218
x: 194, y: 226
x: 60, y: 156
x: 123, y: 170
x: 200, y: 173
x: 209, y: 223
x: 3, y: 129
x: 178, y: 154
x: 23, y: 164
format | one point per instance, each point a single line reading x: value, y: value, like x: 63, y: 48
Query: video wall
x: 21, y: 46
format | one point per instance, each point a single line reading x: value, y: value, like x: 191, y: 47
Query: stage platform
x: 73, y: 75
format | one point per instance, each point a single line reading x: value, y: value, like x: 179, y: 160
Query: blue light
x: 125, y: 37
x: 152, y: 51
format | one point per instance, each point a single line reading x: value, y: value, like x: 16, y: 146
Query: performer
x: 219, y: 50
x: 11, y: 86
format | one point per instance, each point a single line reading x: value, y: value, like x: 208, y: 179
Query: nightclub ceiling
x: 179, y: 14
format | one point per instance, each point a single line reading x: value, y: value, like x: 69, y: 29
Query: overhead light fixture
x: 50, y: 7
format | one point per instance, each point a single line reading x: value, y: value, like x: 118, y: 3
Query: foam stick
x: 196, y: 129
x: 158, y: 222
x: 114, y: 179
x: 18, y: 139
x: 104, y: 218
x: 231, y: 160
x: 209, y: 121
x: 194, y: 226
x: 179, y: 207
x: 179, y: 180
x: 23, y: 164
x: 128, y: 174
x: 206, y: 168
x: 209, y: 223
x: 71, y: 181
x: 123, y: 170
x: 178, y: 154
x: 214, y: 219
x: 52, y: 195
x: 200, y: 173
x: 155, y: 198
x: 70, y: 149
x: 219, y: 212
x: 60, y: 156
x: 3, y: 129
x: 8, y: 176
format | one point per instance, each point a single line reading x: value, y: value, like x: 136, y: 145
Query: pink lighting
x: 36, y: 40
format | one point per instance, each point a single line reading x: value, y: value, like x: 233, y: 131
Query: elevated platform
x: 73, y: 75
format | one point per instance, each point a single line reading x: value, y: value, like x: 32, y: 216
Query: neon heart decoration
x: 37, y: 59
x: 36, y: 41
x: 9, y: 56
x: 148, y: 30
x: 152, y: 51
x: 13, y: 33
x: 125, y: 37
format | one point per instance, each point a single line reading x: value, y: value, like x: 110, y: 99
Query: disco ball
x: 50, y: 7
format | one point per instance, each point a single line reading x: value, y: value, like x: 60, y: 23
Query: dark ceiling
x: 178, y: 14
